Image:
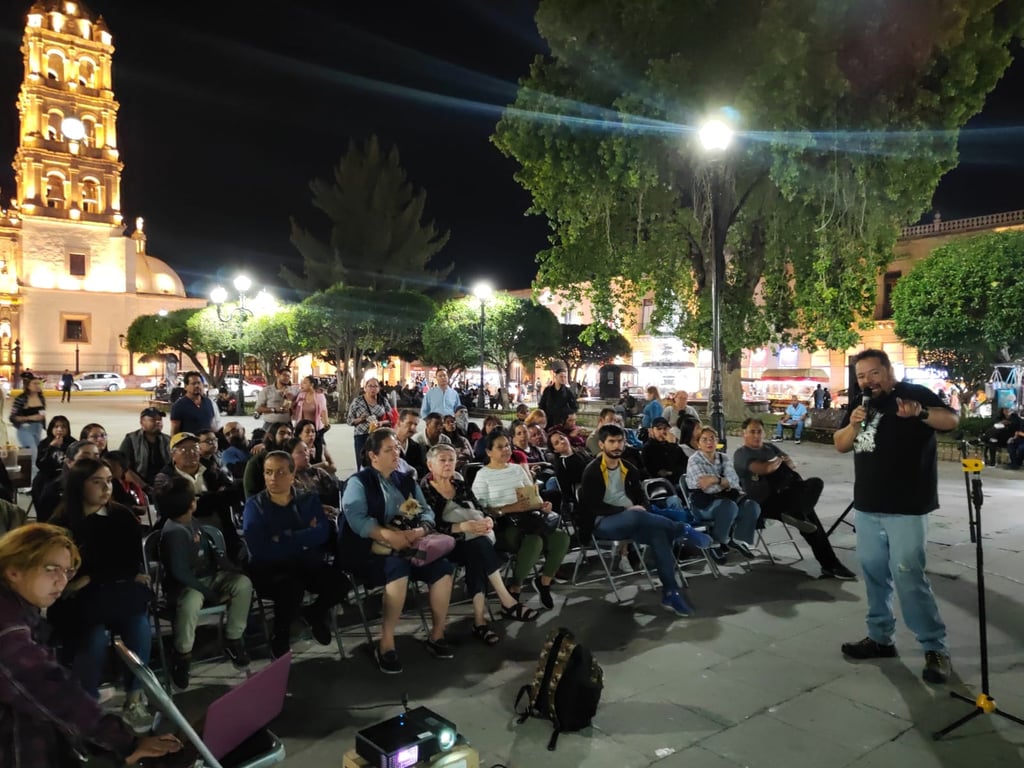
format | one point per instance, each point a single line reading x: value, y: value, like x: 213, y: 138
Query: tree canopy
x: 152, y: 334
x: 377, y: 236
x: 582, y: 345
x: 962, y: 305
x: 848, y: 115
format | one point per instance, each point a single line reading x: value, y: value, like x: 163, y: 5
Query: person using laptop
x: 197, y: 573
x: 41, y: 703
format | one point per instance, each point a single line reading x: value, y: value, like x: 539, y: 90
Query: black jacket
x: 591, y: 496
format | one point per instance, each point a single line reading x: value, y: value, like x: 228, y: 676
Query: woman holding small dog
x: 524, y: 524
x: 458, y: 513
x: 376, y: 503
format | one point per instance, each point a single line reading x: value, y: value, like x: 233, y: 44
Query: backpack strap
x: 525, y: 714
x: 553, y: 741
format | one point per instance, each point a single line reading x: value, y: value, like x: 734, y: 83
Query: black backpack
x: 566, y: 686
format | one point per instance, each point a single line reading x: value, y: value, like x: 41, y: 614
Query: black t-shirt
x: 756, y: 486
x: 894, y: 458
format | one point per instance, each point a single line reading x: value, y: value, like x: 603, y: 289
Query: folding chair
x: 657, y: 488
x: 161, y: 609
x: 363, y: 593
x: 783, y: 542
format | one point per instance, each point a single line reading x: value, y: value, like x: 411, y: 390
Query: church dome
x: 154, y: 276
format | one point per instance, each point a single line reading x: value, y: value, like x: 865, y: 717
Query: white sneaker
x: 137, y: 716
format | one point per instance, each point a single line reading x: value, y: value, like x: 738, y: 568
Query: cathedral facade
x: 71, y: 279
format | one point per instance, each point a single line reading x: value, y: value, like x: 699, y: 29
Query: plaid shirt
x: 43, y: 712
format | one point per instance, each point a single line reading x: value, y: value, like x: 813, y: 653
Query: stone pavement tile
x: 917, y: 749
x: 764, y: 742
x: 838, y: 720
x: 646, y: 725
x: 717, y: 698
x: 696, y: 757
x: 782, y: 677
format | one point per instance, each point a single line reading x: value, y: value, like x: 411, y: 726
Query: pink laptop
x: 246, y: 708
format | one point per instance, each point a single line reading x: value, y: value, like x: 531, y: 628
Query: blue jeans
x: 798, y: 428
x: 91, y: 654
x: 672, y: 508
x: 653, y: 530
x: 891, y: 549
x: 727, y: 517
x: 29, y: 435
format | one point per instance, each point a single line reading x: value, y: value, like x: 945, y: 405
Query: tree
x: 151, y: 334
x: 377, y: 238
x: 515, y: 328
x: 269, y: 339
x: 849, y: 113
x: 584, y: 345
x: 352, y: 324
x: 962, y: 306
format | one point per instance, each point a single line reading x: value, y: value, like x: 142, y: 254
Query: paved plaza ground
x: 755, y: 679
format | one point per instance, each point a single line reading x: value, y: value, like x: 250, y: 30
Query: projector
x: 411, y: 737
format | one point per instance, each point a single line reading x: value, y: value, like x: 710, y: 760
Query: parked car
x: 111, y: 382
x: 249, y: 389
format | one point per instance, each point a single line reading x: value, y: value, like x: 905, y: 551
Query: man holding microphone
x: 892, y: 435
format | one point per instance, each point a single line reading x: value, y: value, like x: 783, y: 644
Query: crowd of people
x: 234, y: 518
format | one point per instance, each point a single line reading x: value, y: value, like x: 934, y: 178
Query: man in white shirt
x: 440, y: 399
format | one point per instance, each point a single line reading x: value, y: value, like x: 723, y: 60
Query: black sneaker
x: 802, y: 525
x: 440, y: 648
x: 235, y: 650
x: 838, y: 571
x: 936, y: 667
x: 720, y: 553
x: 181, y: 667
x: 868, y: 649
x: 743, y: 548
x: 317, y: 621
x: 388, y: 661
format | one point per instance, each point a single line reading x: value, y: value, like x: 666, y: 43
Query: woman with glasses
x: 110, y: 591
x: 95, y: 434
x: 41, y: 705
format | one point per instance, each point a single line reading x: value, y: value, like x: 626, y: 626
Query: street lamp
x: 122, y: 340
x: 239, y: 314
x: 483, y: 293
x: 715, y: 136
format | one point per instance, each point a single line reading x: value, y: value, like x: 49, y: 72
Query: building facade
x: 71, y: 277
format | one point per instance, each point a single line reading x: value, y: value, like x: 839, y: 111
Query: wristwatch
x: 923, y: 415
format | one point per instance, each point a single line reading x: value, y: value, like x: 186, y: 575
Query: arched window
x: 54, y: 190
x: 87, y: 73
x: 55, y: 67
x: 89, y: 124
x: 53, y: 121
x: 90, y: 195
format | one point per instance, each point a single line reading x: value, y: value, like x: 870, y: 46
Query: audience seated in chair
x: 51, y: 493
x: 611, y: 508
x: 795, y: 417
x: 197, y: 573
x: 372, y: 499
x: 662, y: 455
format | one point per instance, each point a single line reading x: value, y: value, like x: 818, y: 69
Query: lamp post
x: 239, y: 314
x: 483, y: 292
x: 122, y: 340
x: 715, y: 136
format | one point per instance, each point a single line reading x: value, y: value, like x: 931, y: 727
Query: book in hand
x: 530, y: 496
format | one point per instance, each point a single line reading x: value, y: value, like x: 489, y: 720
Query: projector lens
x: 446, y: 739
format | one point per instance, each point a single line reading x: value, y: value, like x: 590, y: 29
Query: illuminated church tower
x: 70, y: 280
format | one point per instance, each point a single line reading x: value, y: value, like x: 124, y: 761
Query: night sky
x: 226, y: 114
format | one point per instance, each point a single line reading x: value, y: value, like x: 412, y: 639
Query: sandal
x: 486, y: 634
x: 520, y: 612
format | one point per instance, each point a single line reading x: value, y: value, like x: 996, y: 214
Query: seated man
x: 662, y: 455
x: 432, y: 434
x: 372, y: 498
x: 147, y: 449
x: 611, y: 508
x: 286, y: 533
x: 197, y: 573
x: 796, y: 414
x: 770, y: 478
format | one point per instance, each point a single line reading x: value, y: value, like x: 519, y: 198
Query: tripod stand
x: 984, y: 704
x: 842, y: 519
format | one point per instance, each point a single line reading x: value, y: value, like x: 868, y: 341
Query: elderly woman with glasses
x: 458, y: 513
x: 367, y: 412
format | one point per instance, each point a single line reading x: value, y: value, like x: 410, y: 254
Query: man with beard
x: 892, y: 435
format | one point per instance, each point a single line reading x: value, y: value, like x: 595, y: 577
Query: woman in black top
x: 459, y: 514
x: 110, y: 590
x: 28, y: 414
x: 50, y: 460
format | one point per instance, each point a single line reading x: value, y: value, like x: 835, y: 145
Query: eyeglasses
x: 187, y: 449
x: 56, y: 571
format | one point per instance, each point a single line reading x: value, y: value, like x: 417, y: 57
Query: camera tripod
x: 984, y: 704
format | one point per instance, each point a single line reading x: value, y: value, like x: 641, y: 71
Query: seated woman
x: 110, y: 592
x: 523, y: 527
x: 715, y: 497
x: 459, y: 514
x: 319, y: 456
x: 40, y: 703
x: 457, y: 438
x: 371, y: 500
x: 50, y: 459
x: 277, y: 435
x: 310, y: 479
x: 95, y: 434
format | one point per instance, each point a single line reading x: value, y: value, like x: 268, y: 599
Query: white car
x: 248, y: 389
x: 111, y: 382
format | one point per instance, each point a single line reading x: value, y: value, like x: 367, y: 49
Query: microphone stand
x: 984, y: 704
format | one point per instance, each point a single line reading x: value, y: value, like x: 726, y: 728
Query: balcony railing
x: 939, y: 227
